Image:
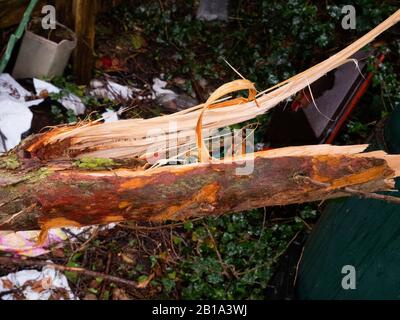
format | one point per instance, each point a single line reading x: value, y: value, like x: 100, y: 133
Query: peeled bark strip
x: 57, y: 194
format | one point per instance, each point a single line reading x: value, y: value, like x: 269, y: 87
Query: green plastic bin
x: 358, y: 232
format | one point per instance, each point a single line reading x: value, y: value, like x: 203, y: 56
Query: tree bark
x: 35, y: 194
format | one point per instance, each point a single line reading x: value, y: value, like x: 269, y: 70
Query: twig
x: 223, y: 265
x: 375, y: 196
x: 14, y: 216
x: 73, y: 235
x: 12, y: 183
x: 103, y: 287
x: 286, y: 247
x: 94, y: 234
x: 3, y: 141
x: 8, y: 260
x: 297, y: 267
x: 13, y: 291
x: 305, y: 223
x: 274, y: 259
x: 261, y: 234
x: 363, y: 194
x: 164, y: 226
x: 177, y: 257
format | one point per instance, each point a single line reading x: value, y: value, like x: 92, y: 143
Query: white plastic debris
x: 210, y: 10
x: 15, y: 115
x: 35, y: 285
x: 159, y: 88
x: 110, y: 116
x: 111, y: 90
x: 113, y: 116
x: 165, y: 97
x: 15, y: 119
x: 11, y: 89
x: 70, y: 101
x: 170, y: 100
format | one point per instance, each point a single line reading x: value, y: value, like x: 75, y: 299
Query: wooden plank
x: 85, y: 28
x: 105, y: 5
x: 65, y: 13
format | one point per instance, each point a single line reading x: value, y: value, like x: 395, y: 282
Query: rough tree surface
x: 45, y: 194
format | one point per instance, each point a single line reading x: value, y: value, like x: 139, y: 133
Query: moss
x: 9, y: 162
x: 95, y: 163
x: 38, y: 175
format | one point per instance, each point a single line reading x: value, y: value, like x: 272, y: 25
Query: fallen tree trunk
x: 46, y: 195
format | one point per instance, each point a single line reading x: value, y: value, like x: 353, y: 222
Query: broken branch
x: 94, y: 274
x: 69, y: 196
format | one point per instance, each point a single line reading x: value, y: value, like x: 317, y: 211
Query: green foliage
x: 67, y: 86
x: 248, y: 249
x: 59, y: 116
x: 268, y: 41
x: 386, y: 76
x: 74, y: 263
x: 357, y: 127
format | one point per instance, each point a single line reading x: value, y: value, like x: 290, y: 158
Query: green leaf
x: 168, y: 284
x: 93, y: 290
x: 142, y: 279
x: 137, y: 41
x: 72, y: 276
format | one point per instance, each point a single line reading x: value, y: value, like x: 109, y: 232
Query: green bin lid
x: 362, y: 233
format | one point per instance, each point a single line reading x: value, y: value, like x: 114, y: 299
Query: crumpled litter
x: 170, y: 100
x: 160, y: 91
x: 70, y: 101
x: 48, y: 284
x: 15, y: 119
x: 11, y: 89
x: 111, y: 90
x: 111, y: 115
x: 15, y: 115
x: 23, y: 243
